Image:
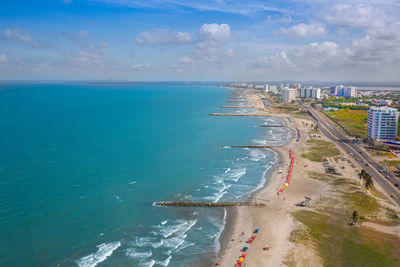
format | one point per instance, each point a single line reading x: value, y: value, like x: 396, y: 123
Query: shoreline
x: 272, y: 180
x: 241, y: 220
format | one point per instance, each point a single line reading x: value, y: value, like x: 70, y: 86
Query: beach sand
x: 274, y: 220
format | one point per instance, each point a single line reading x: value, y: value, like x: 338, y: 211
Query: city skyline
x: 199, y: 40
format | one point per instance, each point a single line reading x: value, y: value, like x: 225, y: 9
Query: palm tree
x: 368, y: 182
x: 354, y: 217
x: 362, y: 174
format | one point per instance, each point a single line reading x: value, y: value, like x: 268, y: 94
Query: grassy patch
x: 354, y: 121
x: 298, y: 235
x: 391, y: 163
x: 363, y: 203
x: 342, y: 245
x: 392, y: 214
x: 316, y: 149
x: 380, y: 153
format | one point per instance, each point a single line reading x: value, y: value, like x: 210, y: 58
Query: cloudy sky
x: 201, y: 40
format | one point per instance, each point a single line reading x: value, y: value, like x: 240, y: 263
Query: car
x: 366, y: 164
x: 362, y: 161
x: 392, y: 196
x: 396, y: 185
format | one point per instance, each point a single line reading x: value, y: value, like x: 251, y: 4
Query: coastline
x: 241, y: 220
x: 237, y: 216
x: 273, y: 221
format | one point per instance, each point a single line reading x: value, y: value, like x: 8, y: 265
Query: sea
x: 81, y: 166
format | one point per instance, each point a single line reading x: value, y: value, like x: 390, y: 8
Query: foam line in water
x: 102, y: 253
x: 131, y: 252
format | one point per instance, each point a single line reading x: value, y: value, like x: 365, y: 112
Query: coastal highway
x: 354, y: 150
x: 266, y: 103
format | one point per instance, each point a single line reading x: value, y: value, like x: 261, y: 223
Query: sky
x: 200, y: 40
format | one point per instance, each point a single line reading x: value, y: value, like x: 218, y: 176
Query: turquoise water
x: 81, y: 166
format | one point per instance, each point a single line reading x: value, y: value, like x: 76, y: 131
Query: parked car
x: 396, y: 185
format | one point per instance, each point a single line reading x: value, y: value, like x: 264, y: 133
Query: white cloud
x: 140, y: 67
x: 278, y: 61
x: 186, y: 60
x: 235, y: 7
x: 215, y: 32
x: 3, y: 58
x: 92, y: 55
x: 305, y: 30
x: 66, y: 1
x: 83, y: 34
x: 360, y: 15
x: 18, y: 35
x: 163, y: 36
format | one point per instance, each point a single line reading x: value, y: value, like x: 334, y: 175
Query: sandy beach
x: 275, y: 221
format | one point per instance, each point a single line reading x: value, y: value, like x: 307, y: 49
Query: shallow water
x: 81, y: 166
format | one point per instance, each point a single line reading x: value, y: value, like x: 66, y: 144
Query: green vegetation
x: 299, y: 235
x: 380, y: 153
x: 329, y: 227
x: 353, y: 121
x: 317, y: 149
x: 391, y: 162
x: 341, y: 245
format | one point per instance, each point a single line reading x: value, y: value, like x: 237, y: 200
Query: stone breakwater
x: 208, y: 204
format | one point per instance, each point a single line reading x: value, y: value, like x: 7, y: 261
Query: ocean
x: 82, y: 164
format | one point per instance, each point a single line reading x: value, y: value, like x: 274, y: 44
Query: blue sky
x: 223, y: 40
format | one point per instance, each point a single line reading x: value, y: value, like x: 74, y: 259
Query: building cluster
x: 288, y: 95
x: 382, y: 123
x: 341, y: 91
x: 310, y: 92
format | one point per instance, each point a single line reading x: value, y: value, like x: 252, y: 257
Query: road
x: 356, y: 153
x: 266, y: 103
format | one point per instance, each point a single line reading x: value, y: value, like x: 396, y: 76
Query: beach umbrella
x: 250, y: 240
x: 266, y: 247
x: 253, y: 236
x: 256, y: 230
x: 241, y: 259
x: 244, y: 255
x: 218, y: 263
x: 237, y: 265
x: 245, y: 248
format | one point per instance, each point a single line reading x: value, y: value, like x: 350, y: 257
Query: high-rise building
x: 310, y: 92
x: 288, y: 95
x: 266, y: 88
x: 273, y: 89
x: 341, y: 91
x: 382, y: 123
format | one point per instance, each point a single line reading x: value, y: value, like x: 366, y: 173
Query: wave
x: 237, y: 174
x: 131, y: 252
x: 102, y: 253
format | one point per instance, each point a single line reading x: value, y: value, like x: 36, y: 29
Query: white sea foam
x: 133, y: 182
x: 220, y: 230
x: 165, y: 262
x: 164, y: 222
x: 147, y: 263
x: 102, y: 253
x: 227, y: 170
x: 236, y: 174
x: 131, y: 252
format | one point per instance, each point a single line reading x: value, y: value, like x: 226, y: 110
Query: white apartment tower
x: 382, y: 123
x: 309, y: 92
x: 288, y: 94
